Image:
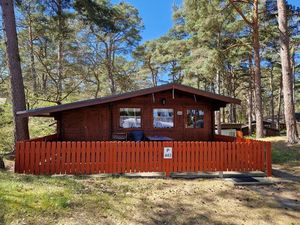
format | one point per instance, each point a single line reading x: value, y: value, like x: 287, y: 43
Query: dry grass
x: 94, y: 200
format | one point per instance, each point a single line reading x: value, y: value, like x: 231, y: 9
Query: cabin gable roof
x: 47, y: 111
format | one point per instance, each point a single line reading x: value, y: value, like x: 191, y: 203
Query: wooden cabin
x: 159, y: 122
x: 166, y: 112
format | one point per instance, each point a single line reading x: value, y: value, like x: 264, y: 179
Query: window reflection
x: 195, y: 118
x: 130, y: 117
x: 163, y: 118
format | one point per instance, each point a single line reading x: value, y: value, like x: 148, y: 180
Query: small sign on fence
x: 167, y: 152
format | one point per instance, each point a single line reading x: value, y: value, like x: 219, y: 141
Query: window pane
x: 195, y: 118
x: 163, y: 118
x: 130, y: 117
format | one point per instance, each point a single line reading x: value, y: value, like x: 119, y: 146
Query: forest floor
x: 26, y: 199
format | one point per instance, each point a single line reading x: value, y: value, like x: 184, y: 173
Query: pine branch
x: 240, y: 12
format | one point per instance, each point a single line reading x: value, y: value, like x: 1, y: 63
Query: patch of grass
x: 280, y: 155
x: 283, y: 152
x: 21, y: 196
x: 44, y: 199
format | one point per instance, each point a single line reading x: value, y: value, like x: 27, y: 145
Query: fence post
x: 17, y: 160
x: 268, y: 159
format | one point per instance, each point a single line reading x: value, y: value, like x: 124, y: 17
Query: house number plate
x: 167, y: 152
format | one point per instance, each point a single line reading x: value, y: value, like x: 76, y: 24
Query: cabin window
x: 163, y: 118
x: 195, y: 118
x: 130, y: 117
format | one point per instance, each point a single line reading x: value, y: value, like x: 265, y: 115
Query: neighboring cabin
x: 230, y: 129
x: 175, y: 111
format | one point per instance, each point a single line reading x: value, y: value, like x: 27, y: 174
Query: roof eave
x: 48, y: 111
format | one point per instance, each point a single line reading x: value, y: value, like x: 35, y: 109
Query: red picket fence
x: 40, y: 157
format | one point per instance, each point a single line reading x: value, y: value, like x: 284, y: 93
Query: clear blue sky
x: 157, y: 15
x: 294, y: 2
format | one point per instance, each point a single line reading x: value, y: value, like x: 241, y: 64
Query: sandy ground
x: 215, y: 201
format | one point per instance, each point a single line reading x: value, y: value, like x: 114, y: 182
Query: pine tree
x: 17, y: 87
x: 289, y: 108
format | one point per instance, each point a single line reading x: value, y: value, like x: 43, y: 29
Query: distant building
x: 230, y: 129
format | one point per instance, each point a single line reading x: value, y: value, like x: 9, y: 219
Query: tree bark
x: 153, y: 73
x: 250, y: 100
x: 2, y: 165
x: 279, y: 104
x: 293, y: 67
x: 257, y: 73
x: 272, y: 97
x: 289, y: 108
x: 60, y: 51
x: 97, y: 84
x: 218, y: 114
x: 32, y: 61
x: 17, y: 87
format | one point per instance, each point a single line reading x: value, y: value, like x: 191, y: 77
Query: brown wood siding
x: 95, y: 122
x: 91, y: 124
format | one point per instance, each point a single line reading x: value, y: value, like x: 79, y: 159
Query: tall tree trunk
x: 17, y: 87
x: 234, y: 116
x: 44, y: 78
x: 60, y: 51
x: 32, y: 61
x: 218, y: 114
x: 2, y: 165
x: 97, y: 84
x: 111, y: 66
x: 257, y: 73
x: 279, y: 104
x: 112, y: 79
x: 272, y: 97
x: 229, y: 92
x: 289, y: 108
x: 250, y: 93
x: 293, y: 67
x: 224, y: 109
x: 153, y: 74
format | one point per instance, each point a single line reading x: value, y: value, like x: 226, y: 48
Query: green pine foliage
x: 6, y: 129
